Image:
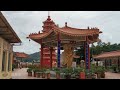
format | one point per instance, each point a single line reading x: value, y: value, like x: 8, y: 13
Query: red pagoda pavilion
x: 46, y: 57
x: 65, y: 37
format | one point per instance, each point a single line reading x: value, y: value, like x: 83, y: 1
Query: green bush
x: 67, y: 71
x: 36, y: 70
x: 57, y: 70
x: 29, y: 70
x: 47, y: 70
x: 100, y: 69
x: 43, y: 70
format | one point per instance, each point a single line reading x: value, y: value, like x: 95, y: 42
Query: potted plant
x: 114, y: 67
x: 57, y: 74
x: 31, y: 66
x: 43, y: 72
x: 100, y: 72
x: 92, y: 73
x: 29, y: 70
x: 76, y: 73
x: 81, y: 73
x: 48, y: 73
x: 103, y: 72
x: 38, y: 73
x: 68, y: 72
x: 35, y: 70
x: 57, y: 71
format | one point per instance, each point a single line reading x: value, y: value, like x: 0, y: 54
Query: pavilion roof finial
x: 49, y: 16
x: 48, y: 13
x: 65, y: 24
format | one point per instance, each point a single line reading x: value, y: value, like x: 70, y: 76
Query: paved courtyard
x: 22, y: 74
x: 110, y: 75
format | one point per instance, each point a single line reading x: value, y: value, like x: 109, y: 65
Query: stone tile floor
x: 110, y: 75
x: 22, y: 74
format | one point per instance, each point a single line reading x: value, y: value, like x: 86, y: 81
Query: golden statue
x: 68, y: 55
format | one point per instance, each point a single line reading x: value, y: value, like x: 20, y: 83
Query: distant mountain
x: 31, y: 57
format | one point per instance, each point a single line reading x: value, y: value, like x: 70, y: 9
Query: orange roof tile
x: 77, y: 32
x: 108, y: 54
x: 41, y: 35
x: 49, y: 27
x: 21, y: 55
x: 68, y: 31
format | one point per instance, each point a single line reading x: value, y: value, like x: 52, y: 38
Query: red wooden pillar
x: 41, y: 55
x: 51, y: 49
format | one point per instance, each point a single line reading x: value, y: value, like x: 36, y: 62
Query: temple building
x: 64, y: 38
x: 18, y: 58
x: 46, y: 57
x: 109, y: 58
x: 7, y: 40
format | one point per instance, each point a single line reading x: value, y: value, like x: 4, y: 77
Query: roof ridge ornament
x: 65, y: 24
x: 88, y: 27
x: 49, y: 16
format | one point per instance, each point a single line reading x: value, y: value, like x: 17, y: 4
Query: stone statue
x: 68, y: 55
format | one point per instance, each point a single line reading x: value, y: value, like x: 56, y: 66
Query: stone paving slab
x: 22, y: 74
x: 110, y: 75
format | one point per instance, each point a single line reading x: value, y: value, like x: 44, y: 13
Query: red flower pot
x: 29, y: 73
x: 48, y: 75
x: 43, y: 75
x: 57, y: 76
x: 82, y: 75
x: 34, y: 74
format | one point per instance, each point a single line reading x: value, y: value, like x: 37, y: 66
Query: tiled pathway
x: 110, y: 75
x: 22, y: 74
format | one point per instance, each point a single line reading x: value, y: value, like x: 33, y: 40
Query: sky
x: 26, y: 22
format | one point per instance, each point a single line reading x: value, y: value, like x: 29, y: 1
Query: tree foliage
x: 33, y: 57
x: 104, y: 47
x: 97, y: 49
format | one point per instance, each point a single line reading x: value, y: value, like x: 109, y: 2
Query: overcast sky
x: 26, y: 22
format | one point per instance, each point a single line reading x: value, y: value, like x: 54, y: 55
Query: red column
x: 41, y: 55
x: 51, y: 49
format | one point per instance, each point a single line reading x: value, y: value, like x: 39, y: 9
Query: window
x: 3, y: 61
x: 9, y: 62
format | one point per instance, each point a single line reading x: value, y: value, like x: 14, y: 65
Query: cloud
x: 26, y: 22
